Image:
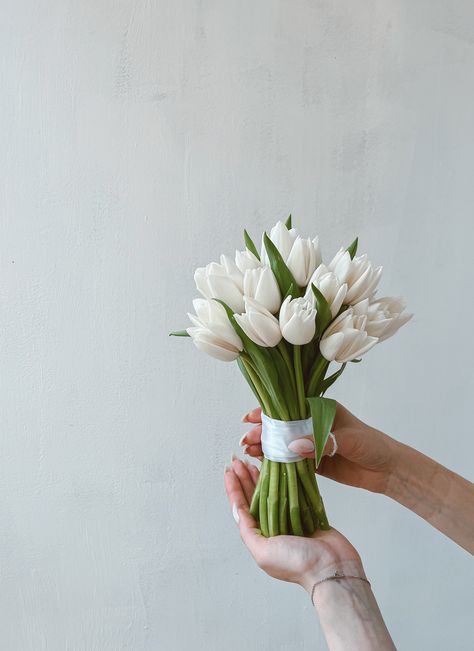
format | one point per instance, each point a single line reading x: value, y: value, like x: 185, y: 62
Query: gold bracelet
x: 337, y: 575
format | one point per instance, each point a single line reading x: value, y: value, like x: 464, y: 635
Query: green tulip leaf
x: 288, y: 222
x: 323, y: 411
x: 262, y: 360
x: 352, y: 248
x: 250, y: 245
x: 179, y: 333
x: 325, y: 384
x: 248, y: 378
x: 289, y: 292
x: 323, y: 311
x: 283, y: 275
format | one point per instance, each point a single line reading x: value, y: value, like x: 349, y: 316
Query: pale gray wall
x: 137, y: 140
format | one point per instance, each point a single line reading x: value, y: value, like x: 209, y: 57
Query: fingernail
x: 245, y: 418
x: 241, y: 442
x: 260, y: 459
x: 245, y: 450
x: 235, y: 513
x: 301, y: 445
x: 226, y: 469
x: 234, y: 457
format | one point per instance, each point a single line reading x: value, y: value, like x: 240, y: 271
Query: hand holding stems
x: 367, y: 458
x: 348, y: 612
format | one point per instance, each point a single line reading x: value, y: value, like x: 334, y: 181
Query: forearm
x: 440, y: 496
x: 348, y: 612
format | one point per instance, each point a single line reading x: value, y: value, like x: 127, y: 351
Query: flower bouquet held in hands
x: 284, y: 316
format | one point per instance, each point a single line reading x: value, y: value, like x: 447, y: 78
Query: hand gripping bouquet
x: 284, y: 317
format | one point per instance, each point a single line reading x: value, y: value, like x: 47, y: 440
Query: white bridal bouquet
x: 284, y: 316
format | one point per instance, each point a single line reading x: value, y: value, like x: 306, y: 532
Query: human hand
x: 366, y: 458
x: 288, y: 558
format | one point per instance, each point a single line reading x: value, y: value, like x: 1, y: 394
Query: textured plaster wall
x: 138, y: 138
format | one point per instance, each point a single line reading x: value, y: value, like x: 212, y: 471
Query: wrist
x: 350, y: 566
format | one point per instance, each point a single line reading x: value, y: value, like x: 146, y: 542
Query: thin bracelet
x: 337, y: 575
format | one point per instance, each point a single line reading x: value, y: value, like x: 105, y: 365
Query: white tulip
x: 303, y: 259
x: 212, y: 332
x: 297, y: 320
x: 385, y: 316
x: 328, y: 284
x: 282, y: 238
x: 346, y: 338
x: 359, y: 275
x: 246, y: 260
x: 259, y: 324
x: 223, y: 281
x: 262, y: 285
x: 301, y: 256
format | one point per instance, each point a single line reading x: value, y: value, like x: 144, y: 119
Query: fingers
x: 251, y: 536
x: 254, y: 472
x: 254, y: 451
x: 234, y: 490
x: 246, y: 481
x: 254, y: 416
x: 252, y: 437
x: 247, y: 525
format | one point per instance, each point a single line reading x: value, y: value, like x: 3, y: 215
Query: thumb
x: 305, y: 447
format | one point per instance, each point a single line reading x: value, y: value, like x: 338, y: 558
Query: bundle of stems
x: 286, y: 498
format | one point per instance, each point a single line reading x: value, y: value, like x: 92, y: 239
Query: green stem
x: 317, y: 374
x: 254, y: 504
x: 299, y: 380
x: 306, y: 517
x: 262, y: 392
x: 295, y: 517
x: 273, y: 520
x: 283, y: 506
x: 323, y: 518
x: 292, y: 406
x: 263, y: 506
x: 310, y: 486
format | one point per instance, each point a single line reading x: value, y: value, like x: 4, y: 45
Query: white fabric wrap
x: 278, y: 434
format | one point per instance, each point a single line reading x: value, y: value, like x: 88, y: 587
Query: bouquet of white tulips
x: 284, y: 316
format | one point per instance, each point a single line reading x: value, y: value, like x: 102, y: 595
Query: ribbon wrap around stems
x: 278, y: 434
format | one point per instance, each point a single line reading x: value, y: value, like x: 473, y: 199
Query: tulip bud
x: 212, y: 332
x: 359, y: 275
x: 303, y: 259
x: 328, y: 284
x: 259, y: 324
x: 246, y: 260
x: 282, y: 238
x: 261, y: 285
x: 297, y: 320
x: 346, y: 338
x: 223, y: 281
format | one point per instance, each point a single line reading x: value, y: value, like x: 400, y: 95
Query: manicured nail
x: 301, y: 445
x: 245, y: 450
x: 245, y: 419
x: 226, y: 469
x: 241, y: 442
x: 235, y: 513
x: 234, y: 457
